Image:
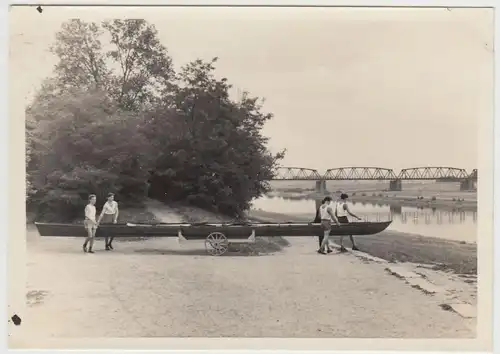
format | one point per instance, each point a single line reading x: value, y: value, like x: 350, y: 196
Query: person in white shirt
x: 317, y: 220
x: 109, y: 215
x: 341, y: 212
x: 90, y: 223
x: 327, y: 216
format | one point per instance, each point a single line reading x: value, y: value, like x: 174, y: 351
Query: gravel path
x: 155, y: 288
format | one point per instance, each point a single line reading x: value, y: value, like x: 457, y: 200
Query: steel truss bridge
x: 373, y: 174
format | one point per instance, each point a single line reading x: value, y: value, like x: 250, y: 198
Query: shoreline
x: 400, y: 247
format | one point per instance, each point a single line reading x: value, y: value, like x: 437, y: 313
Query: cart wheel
x: 216, y: 244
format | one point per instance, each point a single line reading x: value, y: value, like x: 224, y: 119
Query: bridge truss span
x: 296, y: 174
x: 360, y: 174
x: 433, y: 173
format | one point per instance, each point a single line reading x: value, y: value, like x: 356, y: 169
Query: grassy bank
x: 393, y: 246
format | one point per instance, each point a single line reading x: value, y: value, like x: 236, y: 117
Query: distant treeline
x: 116, y: 116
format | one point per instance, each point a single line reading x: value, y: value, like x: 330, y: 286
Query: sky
x: 393, y: 88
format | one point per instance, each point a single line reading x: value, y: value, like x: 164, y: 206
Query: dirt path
x: 162, y: 212
x: 156, y: 288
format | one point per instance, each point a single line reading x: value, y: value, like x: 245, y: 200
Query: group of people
x: 109, y: 215
x: 328, y: 213
x: 333, y: 212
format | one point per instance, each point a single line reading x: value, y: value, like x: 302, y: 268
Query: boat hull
x: 201, y: 231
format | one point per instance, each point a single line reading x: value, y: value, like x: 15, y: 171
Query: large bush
x: 215, y: 155
x: 122, y: 120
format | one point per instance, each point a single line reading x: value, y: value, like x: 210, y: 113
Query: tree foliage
x: 81, y: 58
x: 116, y: 117
x: 82, y: 144
x: 145, y: 67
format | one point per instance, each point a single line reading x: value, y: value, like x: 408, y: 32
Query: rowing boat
x: 217, y: 236
x: 199, y: 231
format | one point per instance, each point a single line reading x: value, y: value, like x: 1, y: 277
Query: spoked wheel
x: 216, y: 244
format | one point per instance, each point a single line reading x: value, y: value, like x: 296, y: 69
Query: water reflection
x: 454, y: 224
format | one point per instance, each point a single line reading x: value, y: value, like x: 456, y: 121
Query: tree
x: 216, y: 157
x: 145, y: 68
x: 82, y: 61
x: 116, y: 117
x: 134, y: 67
x: 81, y: 143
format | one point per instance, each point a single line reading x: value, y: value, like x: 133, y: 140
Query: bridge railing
x: 359, y: 173
x: 373, y: 174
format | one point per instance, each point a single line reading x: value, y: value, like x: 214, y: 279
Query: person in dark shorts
x: 327, y: 216
x: 341, y: 212
x: 317, y: 220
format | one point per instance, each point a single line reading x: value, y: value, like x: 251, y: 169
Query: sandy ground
x: 158, y: 288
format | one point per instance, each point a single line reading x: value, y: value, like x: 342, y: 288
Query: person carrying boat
x: 327, y: 216
x: 341, y: 212
x: 109, y: 215
x: 317, y: 220
x: 90, y: 223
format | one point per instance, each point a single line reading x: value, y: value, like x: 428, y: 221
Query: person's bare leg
x: 87, y: 239
x: 320, y: 239
x: 324, y: 244
x: 342, y: 248
x: 354, y: 247
x: 91, y: 243
x: 110, y: 241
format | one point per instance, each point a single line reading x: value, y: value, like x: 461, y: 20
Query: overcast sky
x: 391, y: 88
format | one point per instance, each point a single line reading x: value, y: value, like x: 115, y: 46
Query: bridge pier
x: 396, y: 185
x: 467, y: 185
x: 396, y: 209
x: 321, y: 186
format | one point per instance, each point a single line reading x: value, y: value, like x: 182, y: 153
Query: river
x: 459, y: 226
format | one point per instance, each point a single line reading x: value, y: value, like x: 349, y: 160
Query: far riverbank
x: 425, y: 201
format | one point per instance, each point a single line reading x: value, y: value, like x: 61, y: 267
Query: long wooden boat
x: 200, y: 231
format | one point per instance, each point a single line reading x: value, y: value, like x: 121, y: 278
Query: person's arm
x: 333, y: 215
x: 116, y: 214
x: 101, y: 215
x: 346, y: 208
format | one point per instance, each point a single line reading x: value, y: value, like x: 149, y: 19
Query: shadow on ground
x: 192, y: 252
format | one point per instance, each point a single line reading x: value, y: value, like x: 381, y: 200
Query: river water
x: 460, y: 226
